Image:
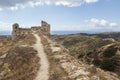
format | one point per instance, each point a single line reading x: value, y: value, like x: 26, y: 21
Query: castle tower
x: 45, y: 27
x: 15, y: 31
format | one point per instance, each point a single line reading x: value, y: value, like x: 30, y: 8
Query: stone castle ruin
x: 17, y: 31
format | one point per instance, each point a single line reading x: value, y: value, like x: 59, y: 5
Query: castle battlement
x: 18, y: 31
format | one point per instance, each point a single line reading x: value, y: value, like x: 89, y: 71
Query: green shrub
x: 81, y: 55
x: 110, y: 51
x: 70, y: 41
x: 96, y: 62
x: 108, y: 64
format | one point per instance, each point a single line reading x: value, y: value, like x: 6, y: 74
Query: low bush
x: 96, y: 62
x: 108, y: 64
x: 110, y: 51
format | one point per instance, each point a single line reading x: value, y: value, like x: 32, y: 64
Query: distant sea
x: 5, y: 33
x: 52, y: 32
x: 70, y: 32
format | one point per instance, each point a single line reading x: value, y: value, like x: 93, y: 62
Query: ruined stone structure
x: 44, y: 29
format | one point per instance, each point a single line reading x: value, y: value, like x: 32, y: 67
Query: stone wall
x: 17, y: 31
x: 45, y: 28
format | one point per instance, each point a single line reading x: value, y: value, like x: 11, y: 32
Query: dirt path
x: 43, y: 73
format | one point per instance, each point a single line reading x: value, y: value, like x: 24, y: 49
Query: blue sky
x: 64, y: 15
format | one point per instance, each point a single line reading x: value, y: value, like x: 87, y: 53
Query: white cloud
x: 90, y: 1
x: 15, y: 4
x: 93, y: 24
x: 113, y: 24
x: 5, y: 26
x: 102, y: 23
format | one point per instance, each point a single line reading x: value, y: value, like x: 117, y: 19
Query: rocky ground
x: 104, y: 53
x: 71, y: 68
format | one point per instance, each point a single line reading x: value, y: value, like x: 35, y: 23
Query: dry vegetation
x: 25, y: 40
x: 80, y: 45
x: 5, y: 44
x: 18, y: 60
x: 93, y: 50
x: 19, y: 64
x: 76, y: 70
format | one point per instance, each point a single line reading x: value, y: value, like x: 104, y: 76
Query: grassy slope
x: 81, y: 45
x: 91, y: 49
x: 18, y: 61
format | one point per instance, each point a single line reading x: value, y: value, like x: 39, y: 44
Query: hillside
x: 37, y: 57
x: 93, y: 49
x: 114, y: 35
x: 18, y: 61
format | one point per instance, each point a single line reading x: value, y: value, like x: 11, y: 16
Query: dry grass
x: 26, y: 40
x: 5, y: 44
x: 21, y: 63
